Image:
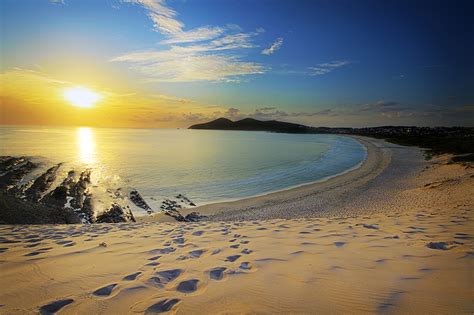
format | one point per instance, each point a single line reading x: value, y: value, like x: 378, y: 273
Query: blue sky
x: 334, y: 63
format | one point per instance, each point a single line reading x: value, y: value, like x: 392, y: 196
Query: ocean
x: 204, y: 165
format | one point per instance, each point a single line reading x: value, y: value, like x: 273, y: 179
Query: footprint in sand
x: 217, y: 273
x: 132, y: 276
x: 162, y: 251
x: 234, y: 246
x: 179, y: 240
x: 166, y: 276
x: 246, y: 251
x: 39, y: 251
x: 162, y: 306
x: 198, y: 233
x: 188, y: 286
x: 245, y: 265
x: 339, y: 244
x: 196, y: 253
x: 153, y: 264
x: 155, y: 281
x: 54, y: 307
x: 232, y: 258
x: 105, y: 291
x: 32, y: 245
x: 154, y: 258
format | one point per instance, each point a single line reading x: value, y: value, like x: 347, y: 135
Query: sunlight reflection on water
x: 86, y: 145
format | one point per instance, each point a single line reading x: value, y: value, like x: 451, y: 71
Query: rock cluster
x: 137, y: 199
x: 115, y: 214
x: 73, y: 194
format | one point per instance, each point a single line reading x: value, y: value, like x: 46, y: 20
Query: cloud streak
x: 60, y: 2
x: 325, y: 68
x: 274, y: 47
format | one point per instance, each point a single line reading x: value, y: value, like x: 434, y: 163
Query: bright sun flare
x: 81, y: 97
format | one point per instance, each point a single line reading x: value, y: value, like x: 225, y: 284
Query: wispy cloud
x: 325, y: 68
x: 194, y: 35
x: 208, y: 53
x: 274, y: 47
x: 57, y: 2
x: 191, y: 63
x: 165, y: 21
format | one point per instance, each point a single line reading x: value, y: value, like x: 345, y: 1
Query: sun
x: 81, y: 97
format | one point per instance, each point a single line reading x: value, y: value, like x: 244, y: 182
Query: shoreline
x: 378, y: 158
x: 398, y: 242
x: 321, y: 180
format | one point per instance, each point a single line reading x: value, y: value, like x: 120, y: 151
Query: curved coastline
x: 323, y: 198
x: 320, y: 180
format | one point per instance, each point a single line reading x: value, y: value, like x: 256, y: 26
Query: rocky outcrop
x: 78, y: 190
x: 191, y: 217
x: 14, y: 210
x: 72, y: 200
x: 138, y: 200
x: 194, y: 217
x: 15, y: 173
x: 115, y: 214
x: 171, y: 208
x: 42, y: 184
x: 185, y: 200
x: 58, y: 196
x: 8, y: 163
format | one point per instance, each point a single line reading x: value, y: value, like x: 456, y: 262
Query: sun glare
x: 81, y: 97
x: 86, y: 145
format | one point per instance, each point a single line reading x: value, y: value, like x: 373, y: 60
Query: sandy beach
x: 378, y: 179
x: 392, y: 236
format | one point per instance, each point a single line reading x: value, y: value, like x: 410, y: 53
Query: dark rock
x: 32, y: 212
x: 78, y: 191
x: 58, y: 197
x: 12, y: 177
x: 137, y: 199
x: 115, y: 214
x: 194, y: 217
x: 87, y: 211
x: 8, y: 162
x: 42, y: 183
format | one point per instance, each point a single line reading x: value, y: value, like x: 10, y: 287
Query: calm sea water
x: 206, y: 166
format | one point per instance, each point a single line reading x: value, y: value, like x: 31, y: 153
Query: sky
x: 174, y: 63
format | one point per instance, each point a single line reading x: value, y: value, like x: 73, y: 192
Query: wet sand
x: 396, y: 241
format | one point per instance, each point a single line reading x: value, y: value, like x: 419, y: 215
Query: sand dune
x: 412, y: 254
